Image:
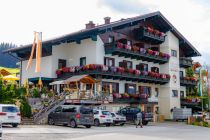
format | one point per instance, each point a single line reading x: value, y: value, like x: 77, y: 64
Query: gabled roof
x: 156, y: 17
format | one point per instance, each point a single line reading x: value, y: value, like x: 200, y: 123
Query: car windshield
x: 86, y: 110
x: 106, y: 113
x: 11, y: 109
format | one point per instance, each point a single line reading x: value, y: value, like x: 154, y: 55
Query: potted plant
x: 142, y: 50
x: 135, y: 48
x: 119, y: 45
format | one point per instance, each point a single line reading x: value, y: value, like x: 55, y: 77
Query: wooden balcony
x: 117, y: 76
x: 111, y: 48
x: 185, y: 62
x: 189, y: 83
x: 143, y: 35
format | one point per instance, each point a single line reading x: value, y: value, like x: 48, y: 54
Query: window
x: 126, y: 64
x: 156, y: 92
x: 107, y: 85
x: 182, y: 94
x: 86, y: 110
x: 174, y: 93
x: 10, y: 109
x: 181, y: 74
x: 155, y: 69
x: 130, y: 88
x: 61, y: 63
x: 142, y: 67
x: 129, y: 64
x: 58, y: 109
x: 109, y: 61
x: 145, y: 90
x: 106, y: 113
x: 69, y: 109
x: 111, y: 39
x: 129, y: 42
x: 82, y: 61
x: 174, y: 53
x: 95, y: 112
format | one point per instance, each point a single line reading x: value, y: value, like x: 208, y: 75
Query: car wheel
x: 145, y: 122
x: 51, y: 121
x: 73, y: 124
x: 122, y: 124
x: 14, y: 125
x: 107, y: 125
x: 96, y: 122
x: 88, y: 126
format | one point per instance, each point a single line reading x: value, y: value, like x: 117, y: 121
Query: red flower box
x: 65, y: 69
x: 58, y: 72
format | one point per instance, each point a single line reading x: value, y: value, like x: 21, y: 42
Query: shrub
x: 35, y: 93
x: 205, y: 124
x: 25, y: 109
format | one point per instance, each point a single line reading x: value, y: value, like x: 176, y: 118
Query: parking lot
x: 158, y: 131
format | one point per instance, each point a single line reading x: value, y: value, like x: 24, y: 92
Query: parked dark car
x: 72, y: 115
x: 130, y: 113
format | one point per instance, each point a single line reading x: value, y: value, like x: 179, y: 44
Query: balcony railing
x: 145, y: 34
x: 130, y: 98
x: 137, y: 53
x: 185, y: 62
x: 115, y: 73
x: 188, y: 81
x: 190, y: 101
x: 87, y: 97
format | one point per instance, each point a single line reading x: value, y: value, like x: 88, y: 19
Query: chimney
x: 107, y: 20
x: 90, y: 25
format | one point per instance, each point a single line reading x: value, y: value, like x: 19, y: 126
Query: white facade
x: 95, y: 53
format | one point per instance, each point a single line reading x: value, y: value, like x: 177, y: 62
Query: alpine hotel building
x: 143, y: 59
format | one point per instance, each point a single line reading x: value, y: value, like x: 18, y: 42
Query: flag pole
x: 40, y: 58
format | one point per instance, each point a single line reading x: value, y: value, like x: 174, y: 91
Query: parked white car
x: 10, y: 114
x: 0, y: 131
x: 102, y: 117
x: 118, y: 118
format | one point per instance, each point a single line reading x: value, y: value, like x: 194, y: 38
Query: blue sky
x: 57, y: 17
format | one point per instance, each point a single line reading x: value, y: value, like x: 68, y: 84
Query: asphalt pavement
x: 156, y: 131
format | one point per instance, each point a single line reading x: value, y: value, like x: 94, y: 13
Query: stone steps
x: 27, y: 121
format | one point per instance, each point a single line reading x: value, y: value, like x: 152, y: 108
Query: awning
x: 10, y: 78
x: 57, y: 82
x: 80, y: 78
x: 4, y: 72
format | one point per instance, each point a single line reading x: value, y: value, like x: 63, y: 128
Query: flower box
x: 65, y: 69
x: 119, y: 45
x: 58, y: 72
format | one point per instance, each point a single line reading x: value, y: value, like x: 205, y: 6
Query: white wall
x: 72, y: 52
x: 46, y: 69
x: 166, y: 101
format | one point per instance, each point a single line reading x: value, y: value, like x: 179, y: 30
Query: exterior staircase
x: 42, y: 116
